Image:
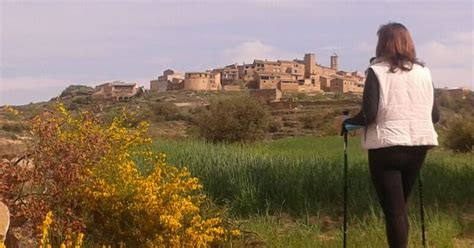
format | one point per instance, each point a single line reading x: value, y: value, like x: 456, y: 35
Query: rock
x: 4, y: 221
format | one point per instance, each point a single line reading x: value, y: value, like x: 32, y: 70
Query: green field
x: 288, y: 193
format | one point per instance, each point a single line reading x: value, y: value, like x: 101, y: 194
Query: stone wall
x: 158, y: 85
x: 231, y: 88
x: 288, y: 87
x: 266, y: 94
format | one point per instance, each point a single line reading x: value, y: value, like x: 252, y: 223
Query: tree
x: 234, y: 119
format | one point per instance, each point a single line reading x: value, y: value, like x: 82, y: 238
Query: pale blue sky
x: 47, y: 45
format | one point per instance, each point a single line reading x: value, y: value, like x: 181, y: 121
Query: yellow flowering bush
x: 9, y: 109
x: 68, y: 241
x: 157, y: 204
x: 107, y: 182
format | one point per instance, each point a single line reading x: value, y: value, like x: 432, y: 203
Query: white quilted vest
x: 404, y: 112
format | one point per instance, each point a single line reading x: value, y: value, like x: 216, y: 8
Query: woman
x: 398, y: 113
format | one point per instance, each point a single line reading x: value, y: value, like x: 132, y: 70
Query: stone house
x: 229, y: 74
x: 457, y: 93
x: 312, y: 84
x: 342, y: 84
x: 170, y: 80
x: 116, y: 90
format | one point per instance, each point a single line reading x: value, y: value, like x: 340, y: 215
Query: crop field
x: 288, y: 192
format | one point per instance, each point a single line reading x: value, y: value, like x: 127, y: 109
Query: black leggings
x: 394, y: 171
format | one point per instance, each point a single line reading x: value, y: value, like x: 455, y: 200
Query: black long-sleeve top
x: 370, y: 103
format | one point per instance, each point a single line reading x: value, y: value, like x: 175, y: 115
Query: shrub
x: 234, y: 119
x: 460, y: 135
x: 82, y: 99
x: 310, y: 121
x: 76, y: 90
x: 16, y: 127
x: 275, y: 126
x: 85, y: 173
x: 165, y: 111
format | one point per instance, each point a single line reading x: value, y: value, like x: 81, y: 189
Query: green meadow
x: 288, y: 192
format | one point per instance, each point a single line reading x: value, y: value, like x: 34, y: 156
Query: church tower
x: 309, y: 64
x: 334, y: 61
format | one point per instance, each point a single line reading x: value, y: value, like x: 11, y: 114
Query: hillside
x: 173, y: 114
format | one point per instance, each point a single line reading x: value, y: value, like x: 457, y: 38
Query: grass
x: 302, y: 178
x: 301, y: 175
x: 278, y: 231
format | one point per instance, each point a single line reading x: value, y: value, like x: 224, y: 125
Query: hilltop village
x: 285, y: 75
x: 260, y: 77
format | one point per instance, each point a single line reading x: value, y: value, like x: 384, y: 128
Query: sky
x: 47, y: 45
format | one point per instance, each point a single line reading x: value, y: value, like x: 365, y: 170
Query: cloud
x: 332, y: 48
x: 249, y: 50
x: 450, y: 59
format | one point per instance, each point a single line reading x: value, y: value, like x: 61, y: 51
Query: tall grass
x: 304, y: 175
x: 274, y: 231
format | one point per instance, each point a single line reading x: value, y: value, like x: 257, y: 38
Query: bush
x: 165, y: 111
x: 275, y: 126
x: 76, y: 90
x: 310, y: 121
x: 234, y: 119
x: 86, y: 174
x: 460, y: 135
x: 82, y: 99
x: 16, y: 127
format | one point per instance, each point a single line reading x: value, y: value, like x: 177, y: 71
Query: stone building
x: 297, y: 75
x: 270, y: 80
x: 457, y: 93
x: 267, y: 74
x: 170, y: 80
x: 311, y: 84
x: 200, y: 81
x: 292, y: 86
x: 342, y: 84
x: 215, y: 82
x: 116, y: 90
x: 313, y: 68
x: 229, y: 74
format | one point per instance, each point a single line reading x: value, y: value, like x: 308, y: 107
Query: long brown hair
x: 396, y: 47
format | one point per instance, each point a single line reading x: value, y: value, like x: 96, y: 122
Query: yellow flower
x: 45, y: 228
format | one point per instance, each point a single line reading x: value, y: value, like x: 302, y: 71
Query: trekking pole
x: 344, y: 242
x: 347, y: 127
x: 422, y: 211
